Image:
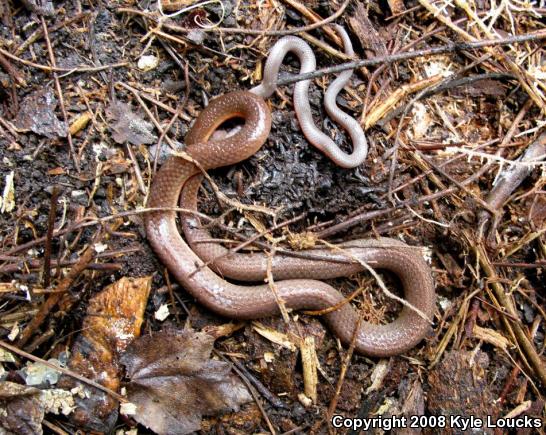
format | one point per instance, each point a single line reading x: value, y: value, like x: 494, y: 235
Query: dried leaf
x: 129, y: 127
x: 7, y: 201
x: 114, y: 317
x: 274, y: 336
x: 378, y: 375
x: 174, y: 382
x: 21, y: 411
x: 37, y: 114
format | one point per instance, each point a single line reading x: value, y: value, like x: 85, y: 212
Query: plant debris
x: 21, y: 411
x: 174, y: 382
x: 459, y: 386
x: 129, y: 127
x: 114, y: 318
x: 22, y: 408
x: 37, y: 114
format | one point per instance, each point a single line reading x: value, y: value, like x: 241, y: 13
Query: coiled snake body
x: 251, y: 302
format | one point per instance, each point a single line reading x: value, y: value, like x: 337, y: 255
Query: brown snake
x: 251, y: 302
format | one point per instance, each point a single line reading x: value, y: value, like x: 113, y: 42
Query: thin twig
x: 273, y: 287
x: 177, y: 114
x: 262, y: 389
x: 38, y: 33
x: 449, y: 83
x: 138, y: 173
x: 355, y: 220
x: 252, y: 392
x: 511, y: 179
x: 378, y: 279
x: 60, y: 95
x: 251, y: 241
x: 12, y: 71
x: 529, y: 352
x: 49, y: 236
x: 242, y: 31
x: 501, y: 56
x: 343, y: 372
x: 54, y: 298
x: 62, y: 370
x: 62, y: 70
x: 392, y: 58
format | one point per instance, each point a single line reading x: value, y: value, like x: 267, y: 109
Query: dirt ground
x: 78, y: 147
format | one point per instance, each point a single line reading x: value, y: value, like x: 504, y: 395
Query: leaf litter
x: 174, y: 382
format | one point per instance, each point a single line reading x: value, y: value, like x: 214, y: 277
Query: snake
x: 302, y: 107
x: 298, y: 281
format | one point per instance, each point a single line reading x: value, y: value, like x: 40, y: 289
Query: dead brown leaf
x: 21, y: 411
x: 37, y: 114
x: 128, y: 126
x: 114, y: 317
x: 174, y: 382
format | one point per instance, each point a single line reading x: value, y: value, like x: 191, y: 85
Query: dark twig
x: 355, y: 220
x: 21, y: 264
x: 136, y: 167
x: 62, y: 370
x: 252, y: 392
x: 457, y: 183
x: 60, y: 95
x: 526, y: 348
x: 12, y: 71
x: 8, y: 127
x: 268, y: 395
x: 103, y: 220
x: 397, y: 57
x: 49, y: 236
x: 40, y: 339
x: 251, y: 240
x: 35, y: 264
x: 448, y: 83
x: 176, y: 115
x: 62, y: 70
x: 343, y: 372
x: 54, y: 298
x: 508, y: 386
x: 512, y: 177
x: 510, y: 264
x: 38, y: 33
